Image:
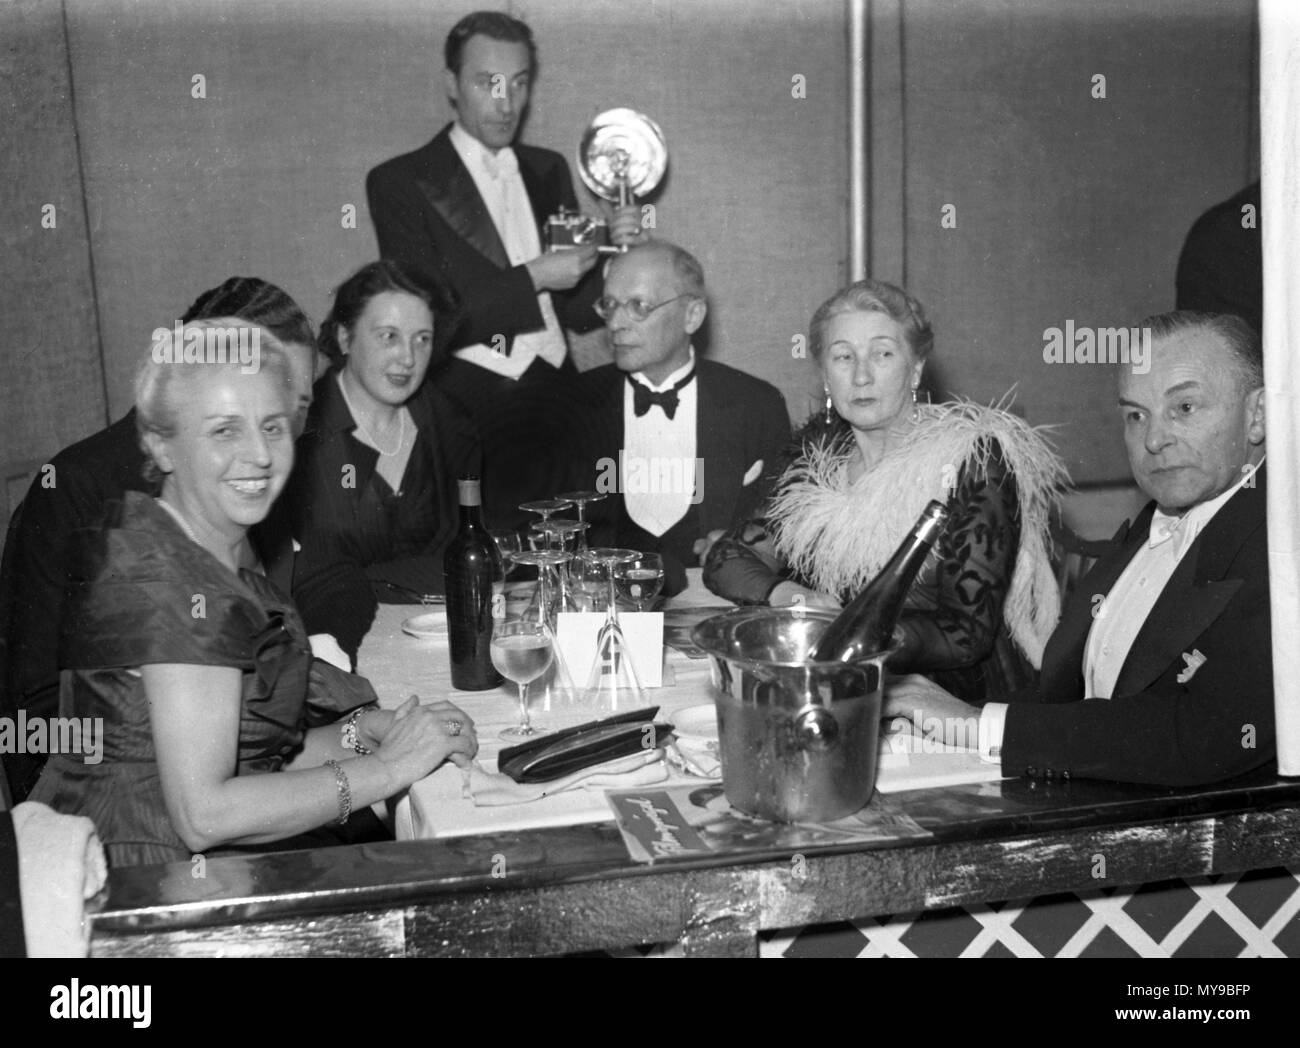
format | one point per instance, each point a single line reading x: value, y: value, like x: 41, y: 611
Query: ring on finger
x: 454, y: 727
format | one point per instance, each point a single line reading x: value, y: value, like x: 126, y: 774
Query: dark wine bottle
x: 866, y: 625
x: 470, y: 567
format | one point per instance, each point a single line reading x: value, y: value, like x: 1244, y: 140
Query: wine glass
x: 588, y: 588
x: 545, y: 507
x: 580, y: 499
x: 522, y: 651
x: 640, y: 580
x: 613, y: 676
x: 508, y: 544
x: 547, y: 541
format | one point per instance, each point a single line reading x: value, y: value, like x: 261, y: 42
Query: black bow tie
x: 643, y: 396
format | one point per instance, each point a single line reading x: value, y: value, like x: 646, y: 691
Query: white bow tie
x: 1164, y: 527
x: 502, y: 164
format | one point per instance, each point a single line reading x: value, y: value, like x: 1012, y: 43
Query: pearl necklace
x: 365, y: 430
x: 176, y: 516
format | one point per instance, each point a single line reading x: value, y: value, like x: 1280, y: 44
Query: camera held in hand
x: 570, y: 229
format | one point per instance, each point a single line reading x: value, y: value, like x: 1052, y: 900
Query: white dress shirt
x: 657, y: 467
x: 1122, y: 612
x: 496, y: 175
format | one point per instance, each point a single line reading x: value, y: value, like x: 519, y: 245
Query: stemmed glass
x: 551, y: 544
x: 587, y: 583
x: 580, y: 499
x: 545, y: 507
x: 522, y: 651
x: 641, y: 579
x: 613, y: 674
x: 508, y: 544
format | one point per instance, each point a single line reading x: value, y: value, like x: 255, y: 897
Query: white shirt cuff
x: 993, y: 721
x: 326, y: 648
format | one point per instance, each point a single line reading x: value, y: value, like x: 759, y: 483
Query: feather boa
x: 838, y: 535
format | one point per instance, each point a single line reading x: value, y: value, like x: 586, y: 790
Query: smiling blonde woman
x: 198, y: 665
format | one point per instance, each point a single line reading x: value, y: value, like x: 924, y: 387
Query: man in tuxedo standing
x: 677, y: 441
x: 1161, y: 669
x: 469, y: 207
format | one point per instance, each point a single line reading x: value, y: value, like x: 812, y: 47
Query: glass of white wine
x: 641, y: 580
x: 522, y: 652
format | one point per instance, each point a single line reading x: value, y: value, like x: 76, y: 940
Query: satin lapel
x: 452, y: 193
x: 1063, y: 660
x: 1195, y: 595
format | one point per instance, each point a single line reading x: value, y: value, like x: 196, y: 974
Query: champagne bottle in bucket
x: 866, y: 625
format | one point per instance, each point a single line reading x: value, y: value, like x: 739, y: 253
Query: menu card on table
x: 663, y: 823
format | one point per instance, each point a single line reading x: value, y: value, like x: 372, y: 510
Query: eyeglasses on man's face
x: 637, y: 308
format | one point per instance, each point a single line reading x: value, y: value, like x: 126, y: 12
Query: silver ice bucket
x: 798, y: 739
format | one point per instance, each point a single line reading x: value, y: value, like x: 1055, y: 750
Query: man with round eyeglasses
x: 676, y: 440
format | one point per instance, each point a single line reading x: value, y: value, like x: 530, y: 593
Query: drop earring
x: 916, y: 410
x: 830, y: 407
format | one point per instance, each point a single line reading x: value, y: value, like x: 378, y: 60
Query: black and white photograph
x: 650, y: 479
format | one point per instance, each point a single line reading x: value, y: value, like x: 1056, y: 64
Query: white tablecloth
x: 399, y: 665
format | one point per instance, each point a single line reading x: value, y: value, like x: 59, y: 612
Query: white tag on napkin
x: 576, y: 633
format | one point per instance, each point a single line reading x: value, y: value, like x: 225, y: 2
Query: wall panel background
x: 51, y: 388
x: 1067, y: 207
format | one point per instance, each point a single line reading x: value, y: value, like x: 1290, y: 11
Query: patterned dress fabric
x: 143, y: 594
x: 952, y: 626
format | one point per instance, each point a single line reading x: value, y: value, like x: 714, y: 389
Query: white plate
x: 430, y: 624
x: 696, y: 722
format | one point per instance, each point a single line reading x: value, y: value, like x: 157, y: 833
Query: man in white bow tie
x: 677, y: 441
x: 1160, y: 670
x: 469, y: 206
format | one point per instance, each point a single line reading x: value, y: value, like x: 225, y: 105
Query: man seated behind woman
x: 857, y: 479
x: 199, y: 666
x: 373, y: 495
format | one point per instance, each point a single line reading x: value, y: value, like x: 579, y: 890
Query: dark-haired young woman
x: 373, y: 493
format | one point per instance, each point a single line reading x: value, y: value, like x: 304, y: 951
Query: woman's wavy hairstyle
x: 258, y: 302
x: 875, y: 296
x: 158, y: 380
x: 355, y: 293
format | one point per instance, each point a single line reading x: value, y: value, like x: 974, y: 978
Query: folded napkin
x: 60, y: 865
x: 489, y: 789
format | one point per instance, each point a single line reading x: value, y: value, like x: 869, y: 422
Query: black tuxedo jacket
x: 1213, y: 725
x: 428, y: 211
x: 739, y: 421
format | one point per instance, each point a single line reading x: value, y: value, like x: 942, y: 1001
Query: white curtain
x: 1280, y: 224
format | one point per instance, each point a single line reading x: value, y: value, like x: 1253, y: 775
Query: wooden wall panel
x: 1067, y: 206
x: 51, y: 391
x: 303, y: 100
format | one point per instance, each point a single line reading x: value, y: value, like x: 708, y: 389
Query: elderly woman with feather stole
x: 857, y: 478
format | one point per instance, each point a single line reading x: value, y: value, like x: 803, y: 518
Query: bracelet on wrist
x: 348, y: 733
x: 344, y: 789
